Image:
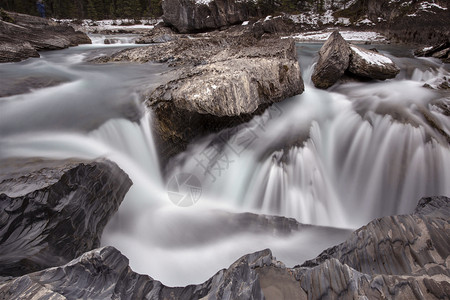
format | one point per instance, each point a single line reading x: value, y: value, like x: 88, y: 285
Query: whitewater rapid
x: 336, y: 158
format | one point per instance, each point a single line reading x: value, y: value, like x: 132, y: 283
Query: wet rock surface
x: 397, y: 257
x: 337, y: 57
x: 53, y: 211
x: 26, y: 35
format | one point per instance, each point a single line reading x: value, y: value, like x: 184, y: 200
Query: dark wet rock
x: 29, y: 34
x: 111, y: 41
x: 371, y: 64
x: 413, y: 245
x: 334, y: 58
x: 104, y: 274
x: 441, y: 51
x: 53, y: 211
x: 193, y: 16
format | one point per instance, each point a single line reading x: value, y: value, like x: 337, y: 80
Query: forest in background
x: 136, y: 9
x: 88, y: 9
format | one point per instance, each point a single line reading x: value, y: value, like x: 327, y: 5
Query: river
x: 336, y: 159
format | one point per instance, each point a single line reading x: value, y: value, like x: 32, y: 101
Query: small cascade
x: 113, y: 39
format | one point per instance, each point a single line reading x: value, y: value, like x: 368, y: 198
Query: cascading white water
x: 357, y: 158
x: 337, y: 158
x: 117, y: 39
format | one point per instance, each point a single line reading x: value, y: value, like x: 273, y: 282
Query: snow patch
x: 203, y: 2
x: 366, y: 22
x: 372, y: 57
x: 347, y: 35
x: 427, y: 5
x: 245, y: 23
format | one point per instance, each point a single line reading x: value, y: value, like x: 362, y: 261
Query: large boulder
x: 222, y: 81
x: 371, y: 64
x: 23, y: 35
x: 201, y: 15
x: 53, y: 211
x: 334, y: 58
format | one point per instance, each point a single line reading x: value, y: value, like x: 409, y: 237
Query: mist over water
x: 336, y: 158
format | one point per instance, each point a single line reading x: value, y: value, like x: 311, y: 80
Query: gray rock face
x: 104, y: 274
x: 334, y: 58
x: 412, y: 245
x: 370, y: 64
x: 28, y: 34
x: 337, y: 57
x: 231, y: 88
x: 193, y: 16
x: 53, y: 211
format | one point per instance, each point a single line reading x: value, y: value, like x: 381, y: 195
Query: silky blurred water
x: 336, y: 158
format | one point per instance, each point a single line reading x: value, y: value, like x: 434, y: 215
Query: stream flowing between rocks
x: 335, y: 159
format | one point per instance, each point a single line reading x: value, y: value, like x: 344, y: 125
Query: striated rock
x: 198, y: 15
x: 104, y: 274
x: 371, y: 64
x: 29, y: 34
x: 53, y: 211
x: 334, y: 58
x: 412, y: 245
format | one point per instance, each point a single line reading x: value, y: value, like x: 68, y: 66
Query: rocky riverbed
x: 53, y: 211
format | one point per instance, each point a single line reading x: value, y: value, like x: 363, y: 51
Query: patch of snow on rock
x: 372, y: 57
x: 203, y: 2
x: 366, y: 22
x: 347, y: 35
x: 245, y: 23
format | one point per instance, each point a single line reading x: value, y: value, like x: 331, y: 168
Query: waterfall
x: 337, y: 158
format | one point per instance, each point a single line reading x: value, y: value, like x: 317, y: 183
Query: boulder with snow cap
x: 371, y: 64
x: 337, y: 57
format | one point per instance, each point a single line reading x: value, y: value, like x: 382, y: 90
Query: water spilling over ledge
x: 337, y: 158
